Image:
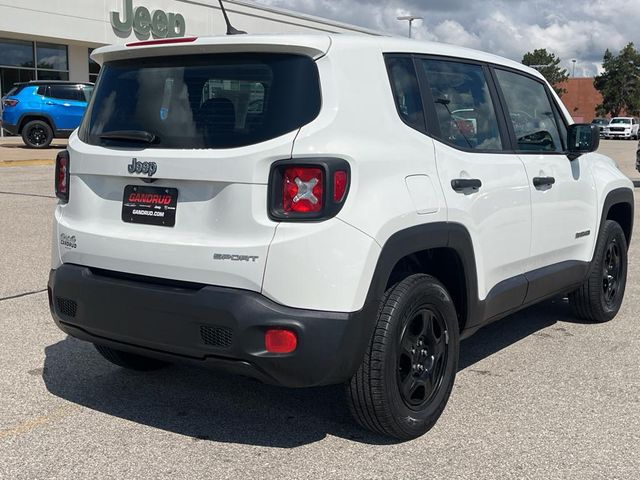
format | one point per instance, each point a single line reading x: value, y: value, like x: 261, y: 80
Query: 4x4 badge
x: 150, y: 168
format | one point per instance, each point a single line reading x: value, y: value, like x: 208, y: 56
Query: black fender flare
x: 615, y: 197
x: 416, y: 239
x: 41, y: 115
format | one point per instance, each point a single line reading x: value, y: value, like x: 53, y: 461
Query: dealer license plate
x: 150, y: 205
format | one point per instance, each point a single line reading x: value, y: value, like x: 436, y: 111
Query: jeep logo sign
x: 144, y: 23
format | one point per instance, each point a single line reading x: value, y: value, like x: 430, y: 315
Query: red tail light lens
x: 9, y: 102
x: 340, y: 183
x: 62, y: 176
x: 277, y: 340
x: 302, y: 189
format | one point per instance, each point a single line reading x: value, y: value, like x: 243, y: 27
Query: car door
x: 66, y: 105
x: 563, y: 196
x: 485, y: 186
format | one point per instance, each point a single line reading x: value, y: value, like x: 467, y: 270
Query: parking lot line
x: 25, y: 163
x: 34, y: 423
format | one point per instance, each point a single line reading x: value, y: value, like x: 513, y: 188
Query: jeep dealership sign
x: 145, y: 23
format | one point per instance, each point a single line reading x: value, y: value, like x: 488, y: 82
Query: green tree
x: 549, y: 66
x: 619, y: 83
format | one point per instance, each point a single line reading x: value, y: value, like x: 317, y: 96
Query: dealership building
x: 52, y: 39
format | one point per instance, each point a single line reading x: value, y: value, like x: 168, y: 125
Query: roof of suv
x: 50, y: 82
x: 314, y: 45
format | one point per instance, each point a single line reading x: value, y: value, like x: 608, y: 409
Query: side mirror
x: 582, y: 138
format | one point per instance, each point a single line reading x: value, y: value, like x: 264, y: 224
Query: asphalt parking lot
x: 538, y: 395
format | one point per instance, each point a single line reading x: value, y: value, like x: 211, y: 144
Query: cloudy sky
x: 572, y: 29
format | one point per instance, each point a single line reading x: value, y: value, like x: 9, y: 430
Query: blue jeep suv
x: 43, y: 110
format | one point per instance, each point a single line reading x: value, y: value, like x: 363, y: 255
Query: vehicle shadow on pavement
x: 207, y: 405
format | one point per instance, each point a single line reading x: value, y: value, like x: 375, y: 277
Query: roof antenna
x: 230, y: 29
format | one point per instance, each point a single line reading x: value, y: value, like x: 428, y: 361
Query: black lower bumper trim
x: 207, y: 325
x: 12, y: 129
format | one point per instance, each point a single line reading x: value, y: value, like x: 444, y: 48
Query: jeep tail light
x: 302, y: 189
x: 62, y: 176
x: 10, y: 102
x: 308, y: 190
x: 279, y: 340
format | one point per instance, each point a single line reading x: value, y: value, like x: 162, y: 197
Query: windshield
x: 620, y: 121
x: 202, y: 101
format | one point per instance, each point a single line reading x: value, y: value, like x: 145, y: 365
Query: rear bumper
x: 213, y: 326
x: 9, y: 127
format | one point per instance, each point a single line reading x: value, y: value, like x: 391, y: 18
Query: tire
x: 400, y: 392
x: 600, y: 296
x: 37, y: 134
x: 128, y: 360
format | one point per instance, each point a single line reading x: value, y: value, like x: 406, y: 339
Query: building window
x: 94, y: 68
x: 23, y: 61
x: 52, y: 57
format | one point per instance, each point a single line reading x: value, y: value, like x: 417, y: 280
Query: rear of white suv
x: 174, y: 188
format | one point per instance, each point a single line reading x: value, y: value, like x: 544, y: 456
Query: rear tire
x: 128, y: 360
x: 406, y: 376
x: 37, y: 134
x: 600, y: 296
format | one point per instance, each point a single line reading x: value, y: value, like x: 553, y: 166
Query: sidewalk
x: 14, y: 152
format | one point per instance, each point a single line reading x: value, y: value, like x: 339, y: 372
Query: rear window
x: 202, y: 101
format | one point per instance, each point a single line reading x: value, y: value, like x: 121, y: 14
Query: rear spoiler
x: 314, y: 46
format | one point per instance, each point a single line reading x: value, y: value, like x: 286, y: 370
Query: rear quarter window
x: 203, y: 101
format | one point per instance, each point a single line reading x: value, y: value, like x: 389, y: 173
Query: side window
x: 66, y: 92
x: 531, y: 113
x: 42, y: 90
x: 406, y: 92
x: 463, y: 105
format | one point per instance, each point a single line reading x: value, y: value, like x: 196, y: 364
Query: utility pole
x: 410, y: 19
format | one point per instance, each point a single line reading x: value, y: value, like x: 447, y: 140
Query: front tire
x: 600, y: 297
x: 128, y: 360
x: 408, y: 371
x: 37, y: 134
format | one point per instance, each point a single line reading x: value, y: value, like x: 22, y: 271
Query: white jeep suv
x: 622, y: 127
x: 312, y: 210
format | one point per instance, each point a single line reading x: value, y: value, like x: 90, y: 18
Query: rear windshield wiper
x: 130, y: 135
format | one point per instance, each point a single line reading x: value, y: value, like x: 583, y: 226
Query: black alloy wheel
x: 422, y: 355
x: 37, y: 134
x: 600, y: 297
x: 406, y: 376
x: 611, y: 272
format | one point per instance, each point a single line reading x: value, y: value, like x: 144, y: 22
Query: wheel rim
x: 611, y: 273
x: 37, y: 135
x: 422, y: 357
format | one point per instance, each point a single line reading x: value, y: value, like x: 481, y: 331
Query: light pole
x: 573, y: 72
x: 410, y: 19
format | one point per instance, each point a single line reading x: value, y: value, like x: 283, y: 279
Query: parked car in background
x: 40, y: 111
x: 602, y: 123
x: 622, y: 127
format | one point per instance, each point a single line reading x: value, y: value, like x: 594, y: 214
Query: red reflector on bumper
x: 280, y: 341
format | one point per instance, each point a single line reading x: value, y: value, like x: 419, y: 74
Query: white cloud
x: 570, y: 29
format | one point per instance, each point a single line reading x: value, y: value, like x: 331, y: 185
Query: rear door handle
x: 461, y: 184
x: 543, y: 181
